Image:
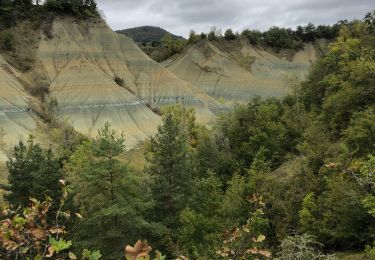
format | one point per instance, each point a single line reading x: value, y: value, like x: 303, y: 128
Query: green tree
x: 33, y: 173
x: 201, y: 223
x: 359, y: 137
x: 229, y: 35
x: 337, y: 217
x: 169, y: 166
x: 107, y: 194
x: 255, y: 126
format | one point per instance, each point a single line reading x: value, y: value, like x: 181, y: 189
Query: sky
x: 181, y: 16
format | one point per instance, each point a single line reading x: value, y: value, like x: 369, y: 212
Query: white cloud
x: 179, y: 16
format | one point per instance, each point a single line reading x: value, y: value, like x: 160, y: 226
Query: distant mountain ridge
x: 147, y: 34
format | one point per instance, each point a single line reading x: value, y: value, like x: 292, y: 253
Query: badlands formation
x: 97, y: 75
x: 16, y: 119
x: 236, y: 71
x: 79, y: 61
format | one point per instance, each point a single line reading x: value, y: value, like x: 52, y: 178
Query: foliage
x: 286, y: 38
x: 7, y: 42
x: 370, y: 252
x: 359, y: 137
x: 169, y: 165
x: 33, y: 172
x: 84, y: 8
x: 253, y: 127
x: 337, y: 216
x: 91, y: 255
x: 300, y: 247
x: 229, y: 35
x: 156, y: 42
x: 247, y: 241
x: 147, y: 34
x: 341, y: 83
x: 107, y: 194
x: 29, y: 234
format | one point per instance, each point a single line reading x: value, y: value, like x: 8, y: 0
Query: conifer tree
x: 169, y: 167
x: 33, y: 172
x: 107, y: 194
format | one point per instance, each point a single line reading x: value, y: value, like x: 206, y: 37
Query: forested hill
x: 147, y: 34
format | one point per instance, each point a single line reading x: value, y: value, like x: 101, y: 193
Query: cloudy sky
x: 180, y: 16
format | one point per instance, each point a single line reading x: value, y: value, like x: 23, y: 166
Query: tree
x: 359, y: 137
x: 251, y: 127
x: 193, y: 38
x: 253, y: 36
x: 107, y: 194
x: 201, y: 223
x: 213, y: 34
x: 341, y: 83
x: 169, y: 166
x: 337, y: 217
x: 33, y: 172
x: 229, y: 35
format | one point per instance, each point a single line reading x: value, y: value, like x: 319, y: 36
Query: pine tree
x: 169, y: 167
x: 107, y: 194
x: 33, y: 172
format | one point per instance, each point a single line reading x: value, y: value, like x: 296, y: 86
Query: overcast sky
x: 180, y: 16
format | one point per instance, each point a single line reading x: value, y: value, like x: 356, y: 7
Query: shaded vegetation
x: 155, y: 42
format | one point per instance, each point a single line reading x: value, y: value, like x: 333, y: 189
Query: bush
x: 7, y: 42
x: 301, y: 247
x: 84, y: 8
x: 229, y: 35
x: 119, y: 81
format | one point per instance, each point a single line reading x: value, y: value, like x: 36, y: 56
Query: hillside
x: 126, y: 158
x: 147, y: 34
x: 236, y: 70
x: 95, y: 74
x: 16, y: 119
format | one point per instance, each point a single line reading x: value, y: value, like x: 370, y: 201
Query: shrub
x: 7, y: 42
x: 119, y: 81
x: 301, y: 247
x: 229, y: 35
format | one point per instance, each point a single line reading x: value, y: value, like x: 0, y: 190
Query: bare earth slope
x: 81, y: 61
x: 16, y: 121
x: 236, y: 70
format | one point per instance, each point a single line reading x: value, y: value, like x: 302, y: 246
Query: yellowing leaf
x: 72, y: 256
x: 260, y: 238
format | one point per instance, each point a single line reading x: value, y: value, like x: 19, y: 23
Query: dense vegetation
x: 156, y: 42
x: 161, y: 45
x: 275, y: 37
x: 289, y: 178
x: 147, y: 35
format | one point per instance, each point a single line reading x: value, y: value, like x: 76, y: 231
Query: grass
x: 136, y: 157
x: 351, y: 256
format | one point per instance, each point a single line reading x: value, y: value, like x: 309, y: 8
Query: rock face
x: 236, y: 70
x: 16, y: 120
x: 98, y: 76
x: 84, y: 60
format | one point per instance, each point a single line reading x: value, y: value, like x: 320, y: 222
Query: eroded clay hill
x: 236, y: 70
x: 96, y: 76
x: 81, y: 61
x: 16, y: 119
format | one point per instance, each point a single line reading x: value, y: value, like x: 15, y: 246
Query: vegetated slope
x: 157, y: 43
x: 146, y: 34
x: 236, y: 70
x: 98, y: 75
x: 16, y: 120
